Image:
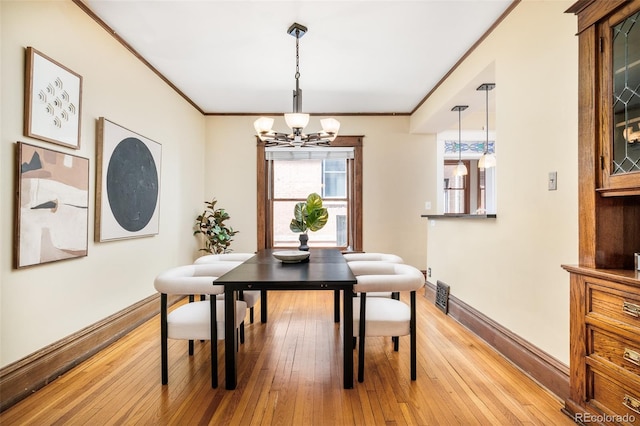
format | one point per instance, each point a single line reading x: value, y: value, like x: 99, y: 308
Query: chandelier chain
x: 297, y: 76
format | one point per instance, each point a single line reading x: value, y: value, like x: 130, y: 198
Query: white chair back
x: 193, y: 279
x: 383, y: 257
x: 233, y: 257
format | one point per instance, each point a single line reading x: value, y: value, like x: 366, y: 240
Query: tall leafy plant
x: 216, y: 234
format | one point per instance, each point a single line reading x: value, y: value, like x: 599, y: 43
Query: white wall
x: 395, y: 172
x: 509, y: 268
x: 42, y: 304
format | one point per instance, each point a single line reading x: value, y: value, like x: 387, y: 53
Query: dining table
x: 325, y: 269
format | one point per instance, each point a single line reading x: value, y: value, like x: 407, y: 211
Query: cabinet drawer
x: 615, y: 304
x: 615, y: 349
x: 613, y: 400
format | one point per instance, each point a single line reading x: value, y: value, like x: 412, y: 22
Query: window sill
x: 459, y: 216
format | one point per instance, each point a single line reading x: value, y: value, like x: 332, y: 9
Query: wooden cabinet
x: 618, y: 38
x: 604, y: 287
x: 605, y: 345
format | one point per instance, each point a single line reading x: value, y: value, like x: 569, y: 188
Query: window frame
x: 354, y: 194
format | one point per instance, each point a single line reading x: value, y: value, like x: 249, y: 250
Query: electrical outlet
x: 429, y: 272
x: 553, y: 181
x: 427, y: 205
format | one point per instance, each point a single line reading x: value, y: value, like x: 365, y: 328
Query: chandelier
x: 296, y: 120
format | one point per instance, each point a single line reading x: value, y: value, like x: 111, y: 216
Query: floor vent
x: 442, y: 296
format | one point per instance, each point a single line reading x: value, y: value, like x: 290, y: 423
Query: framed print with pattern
x: 52, y: 98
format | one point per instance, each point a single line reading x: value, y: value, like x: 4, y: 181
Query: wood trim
x: 578, y: 350
x: 21, y: 378
x: 537, y: 364
x: 315, y: 114
x: 591, y: 11
x: 358, y: 240
x: 263, y: 203
x: 127, y: 46
x: 464, y: 57
x: 261, y: 196
x: 88, y: 11
x: 588, y: 167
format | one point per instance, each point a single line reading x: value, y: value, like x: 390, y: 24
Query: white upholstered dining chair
x: 377, y: 257
x: 381, y: 316
x: 250, y: 296
x: 201, y: 320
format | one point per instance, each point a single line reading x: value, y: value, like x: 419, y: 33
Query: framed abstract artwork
x: 52, y: 211
x: 127, y: 183
x: 52, y: 98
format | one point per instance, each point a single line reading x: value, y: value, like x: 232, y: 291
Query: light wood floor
x: 290, y: 373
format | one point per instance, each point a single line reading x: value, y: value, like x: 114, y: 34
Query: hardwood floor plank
x: 290, y: 372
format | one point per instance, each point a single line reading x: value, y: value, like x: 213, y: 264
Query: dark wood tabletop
x: 326, y: 269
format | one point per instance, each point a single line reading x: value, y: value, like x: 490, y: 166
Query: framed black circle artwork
x: 128, y: 182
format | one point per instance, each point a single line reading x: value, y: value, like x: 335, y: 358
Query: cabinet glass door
x: 626, y: 96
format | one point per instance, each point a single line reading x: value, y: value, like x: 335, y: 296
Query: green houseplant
x: 308, y: 216
x: 216, y: 234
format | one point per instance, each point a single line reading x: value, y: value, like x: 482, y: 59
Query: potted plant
x: 308, y: 216
x: 217, y: 235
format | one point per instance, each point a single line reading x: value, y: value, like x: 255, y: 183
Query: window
x: 286, y: 176
x: 474, y: 193
x: 334, y: 178
x: 293, y: 180
x: 456, y: 190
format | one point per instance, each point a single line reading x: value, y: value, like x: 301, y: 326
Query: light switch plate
x: 553, y: 181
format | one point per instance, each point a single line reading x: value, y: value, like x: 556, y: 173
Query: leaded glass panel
x: 626, y: 96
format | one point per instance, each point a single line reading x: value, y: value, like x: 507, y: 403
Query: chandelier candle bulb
x: 263, y: 126
x: 330, y: 126
x: 296, y: 120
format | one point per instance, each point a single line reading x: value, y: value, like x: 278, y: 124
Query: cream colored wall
x: 395, y: 168
x: 42, y: 304
x: 509, y: 268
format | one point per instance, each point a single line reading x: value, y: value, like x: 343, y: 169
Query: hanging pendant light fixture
x: 488, y: 159
x: 461, y: 169
x: 296, y: 120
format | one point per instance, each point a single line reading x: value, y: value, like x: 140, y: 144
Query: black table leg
x: 263, y: 306
x: 230, y: 344
x: 347, y: 326
x: 336, y: 305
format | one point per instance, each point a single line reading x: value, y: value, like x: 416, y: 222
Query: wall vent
x: 442, y: 296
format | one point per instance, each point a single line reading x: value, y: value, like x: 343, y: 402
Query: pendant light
x: 461, y: 169
x: 488, y: 159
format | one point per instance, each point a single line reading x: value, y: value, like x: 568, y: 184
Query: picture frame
x: 52, y: 100
x: 52, y: 208
x: 127, y: 183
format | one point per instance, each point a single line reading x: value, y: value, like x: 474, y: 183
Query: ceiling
x: 358, y: 56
